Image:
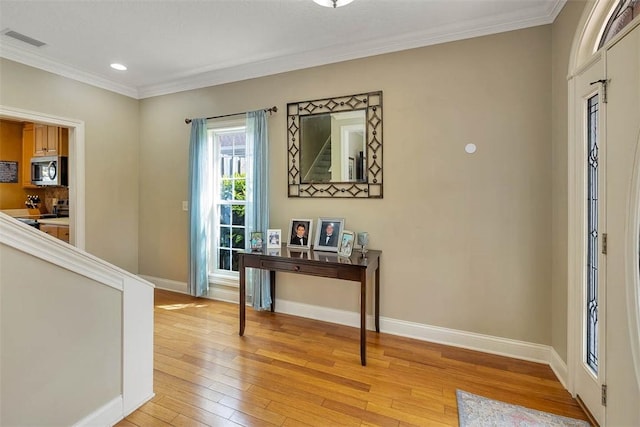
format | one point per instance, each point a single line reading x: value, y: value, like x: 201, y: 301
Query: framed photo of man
x: 328, y: 234
x: 300, y: 233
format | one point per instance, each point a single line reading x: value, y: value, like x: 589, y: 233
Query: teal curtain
x: 257, y: 217
x: 200, y: 205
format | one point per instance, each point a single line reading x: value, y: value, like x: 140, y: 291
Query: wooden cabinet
x: 28, y: 140
x: 51, y: 230
x: 39, y: 141
x: 63, y: 233
x: 49, y: 140
x: 58, y: 231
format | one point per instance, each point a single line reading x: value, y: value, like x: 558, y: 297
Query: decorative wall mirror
x: 334, y: 147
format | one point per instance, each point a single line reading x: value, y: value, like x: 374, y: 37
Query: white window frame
x: 218, y: 276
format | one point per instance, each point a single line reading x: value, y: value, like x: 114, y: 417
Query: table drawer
x: 314, y: 270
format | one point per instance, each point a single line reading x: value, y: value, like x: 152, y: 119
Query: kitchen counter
x: 55, y: 221
x: 22, y: 213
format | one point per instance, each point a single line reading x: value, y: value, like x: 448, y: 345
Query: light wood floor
x: 290, y: 371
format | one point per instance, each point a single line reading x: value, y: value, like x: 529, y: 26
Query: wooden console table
x: 322, y: 264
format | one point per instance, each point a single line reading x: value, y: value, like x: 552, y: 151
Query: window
x: 623, y: 13
x: 592, y: 235
x: 229, y: 231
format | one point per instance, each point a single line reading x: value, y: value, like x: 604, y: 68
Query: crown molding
x: 334, y: 54
x: 36, y: 60
x: 329, y: 55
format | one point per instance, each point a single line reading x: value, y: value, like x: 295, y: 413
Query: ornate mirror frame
x: 371, y: 187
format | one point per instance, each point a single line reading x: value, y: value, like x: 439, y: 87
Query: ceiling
x: 175, y: 45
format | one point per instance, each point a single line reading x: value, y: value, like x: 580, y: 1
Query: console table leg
x: 243, y: 299
x: 272, y: 281
x: 363, y: 319
x: 377, y: 297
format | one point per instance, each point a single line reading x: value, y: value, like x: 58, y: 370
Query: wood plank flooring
x: 290, y: 371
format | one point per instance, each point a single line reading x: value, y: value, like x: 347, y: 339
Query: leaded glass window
x: 624, y: 12
x: 592, y: 235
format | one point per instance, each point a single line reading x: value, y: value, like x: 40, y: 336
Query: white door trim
x: 581, y: 380
x: 582, y: 58
x: 76, y: 164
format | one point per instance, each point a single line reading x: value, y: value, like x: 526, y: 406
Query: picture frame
x: 347, y: 240
x: 297, y: 240
x: 274, y: 238
x: 256, y: 241
x: 328, y: 234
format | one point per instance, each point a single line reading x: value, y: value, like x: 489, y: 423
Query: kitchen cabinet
x: 28, y: 140
x: 58, y: 231
x: 48, y: 140
x: 38, y: 141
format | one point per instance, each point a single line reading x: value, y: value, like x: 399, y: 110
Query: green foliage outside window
x: 235, y: 189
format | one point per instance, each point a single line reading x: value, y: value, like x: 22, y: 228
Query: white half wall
x: 76, y: 333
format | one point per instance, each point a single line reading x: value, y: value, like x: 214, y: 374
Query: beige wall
x: 61, y: 341
x: 562, y: 32
x: 477, y: 255
x: 465, y: 238
x: 112, y: 151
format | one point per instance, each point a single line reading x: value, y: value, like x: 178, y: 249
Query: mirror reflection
x: 332, y: 147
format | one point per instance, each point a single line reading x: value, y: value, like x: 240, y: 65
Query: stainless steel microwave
x: 50, y: 170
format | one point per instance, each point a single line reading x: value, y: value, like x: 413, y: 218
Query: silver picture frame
x: 328, y: 234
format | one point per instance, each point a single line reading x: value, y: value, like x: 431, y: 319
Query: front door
x: 607, y: 153
x: 623, y: 143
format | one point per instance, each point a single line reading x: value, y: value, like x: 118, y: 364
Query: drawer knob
x: 296, y: 268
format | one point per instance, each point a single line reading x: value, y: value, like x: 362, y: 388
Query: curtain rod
x: 271, y: 110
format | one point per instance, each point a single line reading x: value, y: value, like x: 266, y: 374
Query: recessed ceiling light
x: 333, y: 3
x: 118, y: 67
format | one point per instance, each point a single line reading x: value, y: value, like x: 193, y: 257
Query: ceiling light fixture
x: 333, y: 3
x: 118, y: 67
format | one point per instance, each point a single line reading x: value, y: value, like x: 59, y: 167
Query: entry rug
x: 478, y: 411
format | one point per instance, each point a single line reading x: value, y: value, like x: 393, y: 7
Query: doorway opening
x: 76, y: 169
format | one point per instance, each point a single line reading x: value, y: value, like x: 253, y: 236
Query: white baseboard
x: 473, y: 341
x: 469, y: 340
x: 326, y: 314
x: 167, y: 285
x: 135, y: 406
x: 225, y: 295
x: 107, y: 415
x: 559, y: 367
x: 216, y: 293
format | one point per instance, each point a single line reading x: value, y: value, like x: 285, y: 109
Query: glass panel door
x: 591, y: 315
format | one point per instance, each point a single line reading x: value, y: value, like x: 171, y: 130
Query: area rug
x: 478, y: 411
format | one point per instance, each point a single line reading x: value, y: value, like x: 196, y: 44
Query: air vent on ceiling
x: 26, y: 39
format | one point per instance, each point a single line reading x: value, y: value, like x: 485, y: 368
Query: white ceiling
x: 175, y: 45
